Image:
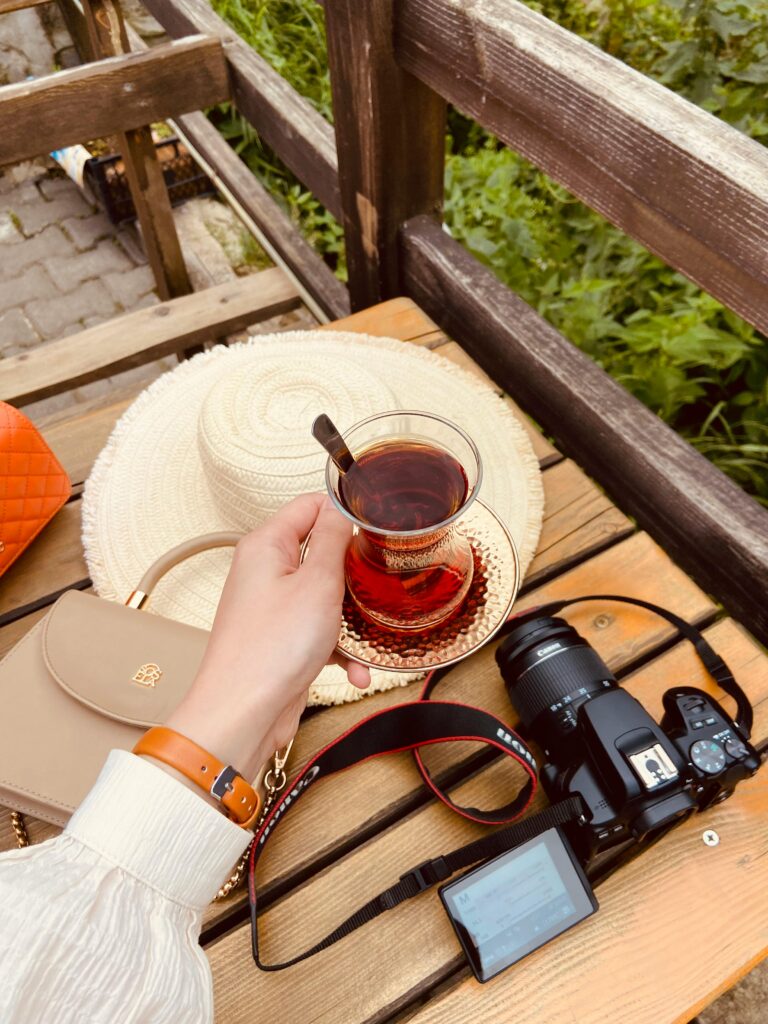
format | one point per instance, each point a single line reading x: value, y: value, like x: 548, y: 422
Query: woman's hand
x: 276, y: 626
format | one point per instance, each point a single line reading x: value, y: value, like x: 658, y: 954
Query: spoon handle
x: 326, y: 433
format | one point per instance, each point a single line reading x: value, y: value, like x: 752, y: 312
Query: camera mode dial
x: 708, y: 756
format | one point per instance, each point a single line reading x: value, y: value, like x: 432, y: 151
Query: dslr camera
x: 635, y: 776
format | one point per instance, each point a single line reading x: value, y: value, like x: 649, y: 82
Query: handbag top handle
x: 166, y: 562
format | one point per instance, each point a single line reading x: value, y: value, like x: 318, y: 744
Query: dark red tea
x: 406, y: 582
x: 404, y: 485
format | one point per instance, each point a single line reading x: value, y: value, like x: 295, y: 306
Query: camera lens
x: 549, y: 671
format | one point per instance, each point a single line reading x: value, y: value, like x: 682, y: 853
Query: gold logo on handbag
x: 147, y: 675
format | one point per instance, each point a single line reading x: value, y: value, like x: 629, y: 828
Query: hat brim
x: 148, y: 490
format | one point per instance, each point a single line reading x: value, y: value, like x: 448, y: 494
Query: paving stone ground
x: 62, y: 265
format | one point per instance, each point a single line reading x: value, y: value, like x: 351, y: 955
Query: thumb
x: 331, y: 535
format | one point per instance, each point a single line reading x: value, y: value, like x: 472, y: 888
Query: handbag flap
x: 33, y: 485
x: 129, y: 665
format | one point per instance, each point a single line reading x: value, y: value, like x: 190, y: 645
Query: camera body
x: 634, y: 775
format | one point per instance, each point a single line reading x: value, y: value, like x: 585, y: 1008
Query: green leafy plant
x: 696, y: 364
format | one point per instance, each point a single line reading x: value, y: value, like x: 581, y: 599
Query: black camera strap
x: 711, y: 660
x: 406, y: 727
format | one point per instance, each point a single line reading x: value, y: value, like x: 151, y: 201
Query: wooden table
x: 678, y: 925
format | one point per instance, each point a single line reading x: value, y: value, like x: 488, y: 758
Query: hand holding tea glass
x: 276, y: 627
x: 430, y: 572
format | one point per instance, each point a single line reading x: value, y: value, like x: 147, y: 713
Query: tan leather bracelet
x: 223, y: 782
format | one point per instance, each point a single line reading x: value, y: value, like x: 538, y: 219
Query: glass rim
x: 424, y: 530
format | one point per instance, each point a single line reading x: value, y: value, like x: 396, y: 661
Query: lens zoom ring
x: 549, y: 680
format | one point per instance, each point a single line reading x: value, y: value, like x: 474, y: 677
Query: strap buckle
x: 428, y: 874
x: 425, y: 876
x: 222, y: 784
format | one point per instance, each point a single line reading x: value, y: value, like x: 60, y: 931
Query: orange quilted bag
x: 33, y: 485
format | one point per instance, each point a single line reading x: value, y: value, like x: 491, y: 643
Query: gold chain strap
x: 20, y: 829
x: 274, y: 781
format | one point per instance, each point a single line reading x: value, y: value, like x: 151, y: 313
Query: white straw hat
x: 223, y: 440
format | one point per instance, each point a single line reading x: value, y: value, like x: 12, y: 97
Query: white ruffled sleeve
x: 102, y: 923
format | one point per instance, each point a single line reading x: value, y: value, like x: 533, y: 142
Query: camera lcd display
x: 517, y: 902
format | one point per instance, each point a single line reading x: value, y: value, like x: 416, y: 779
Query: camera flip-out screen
x: 515, y: 903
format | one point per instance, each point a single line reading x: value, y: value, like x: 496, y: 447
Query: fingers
x: 294, y: 520
x: 330, y: 538
x: 357, y: 674
x: 281, y: 536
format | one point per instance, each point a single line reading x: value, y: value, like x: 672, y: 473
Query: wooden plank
x: 623, y: 964
x: 145, y: 335
x: 684, y: 183
x: 627, y: 963
x: 52, y: 562
x: 153, y: 209
x: 745, y: 659
x: 78, y: 440
x: 6, y: 6
x: 111, y: 95
x: 72, y: 13
x: 572, y: 498
x: 287, y: 122
x: 396, y: 318
x: 390, y: 141
x: 708, y: 524
x: 620, y: 943
x: 545, y: 451
x: 279, y: 231
x: 145, y: 176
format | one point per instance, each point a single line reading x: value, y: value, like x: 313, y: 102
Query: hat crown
x: 254, y: 430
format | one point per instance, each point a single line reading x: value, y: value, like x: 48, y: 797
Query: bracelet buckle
x: 222, y: 784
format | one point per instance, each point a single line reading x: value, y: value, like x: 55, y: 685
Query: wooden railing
x: 690, y: 188
x: 112, y: 95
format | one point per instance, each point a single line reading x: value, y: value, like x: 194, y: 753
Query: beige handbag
x: 92, y: 675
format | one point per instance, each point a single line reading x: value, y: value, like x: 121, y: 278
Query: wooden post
x: 106, y: 30
x: 390, y: 139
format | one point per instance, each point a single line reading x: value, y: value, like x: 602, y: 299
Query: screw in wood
x: 710, y: 837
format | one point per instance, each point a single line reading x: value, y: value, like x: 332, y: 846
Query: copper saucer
x: 495, y: 583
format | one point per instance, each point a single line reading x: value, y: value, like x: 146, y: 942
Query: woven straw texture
x: 223, y: 440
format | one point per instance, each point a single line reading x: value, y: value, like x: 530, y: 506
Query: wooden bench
x: 656, y: 950
x: 683, y: 921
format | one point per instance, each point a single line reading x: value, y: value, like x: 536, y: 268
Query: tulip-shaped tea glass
x: 409, y: 565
